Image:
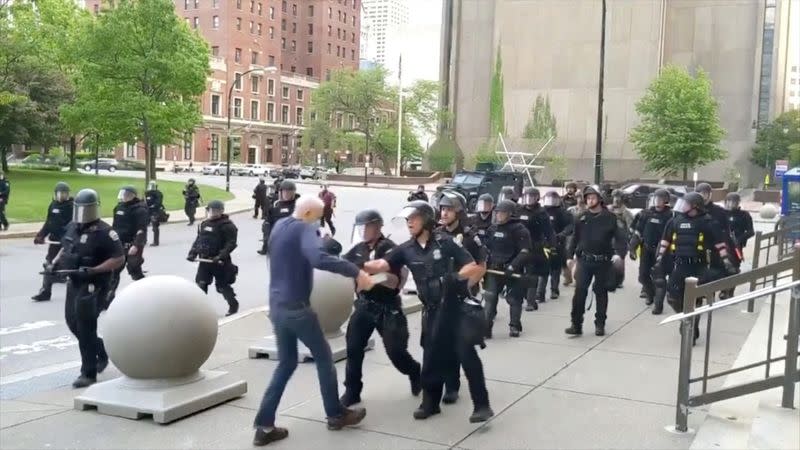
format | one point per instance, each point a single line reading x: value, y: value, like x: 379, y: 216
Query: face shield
x: 61, y: 196
x: 706, y: 196
x: 682, y: 206
x: 213, y: 213
x: 366, y: 232
x: 152, y: 186
x: 501, y: 217
x: 125, y: 196
x: 529, y: 199
x: 484, y: 206
x: 402, y: 217
x: 551, y: 200
x: 85, y: 213
x: 287, y: 195
x: 731, y: 204
x: 504, y: 196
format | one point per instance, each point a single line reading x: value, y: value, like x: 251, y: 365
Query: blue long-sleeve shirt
x: 295, y: 251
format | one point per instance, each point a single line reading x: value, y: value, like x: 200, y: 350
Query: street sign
x: 781, y: 166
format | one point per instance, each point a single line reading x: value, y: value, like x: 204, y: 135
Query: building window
x: 215, y: 103
x: 352, y: 54
x: 259, y: 9
x: 354, y: 20
x: 215, y: 3
x: 196, y: 4
x: 330, y: 30
x: 285, y: 92
x: 215, y: 22
x: 252, y: 6
x: 329, y: 48
x: 272, y: 12
x: 271, y: 87
x: 294, y: 9
x: 338, y: 33
x: 237, y: 81
x: 272, y: 32
x: 294, y: 69
x: 259, y: 29
x: 237, y: 55
x: 299, y: 95
x: 299, y: 116
x: 255, y: 82
x: 160, y: 152
x: 215, y: 50
x: 283, y: 6
x: 185, y: 4
x: 269, y: 149
x: 130, y: 151
x: 327, y: 74
x: 310, y: 71
x: 294, y: 45
x: 239, y: 23
x: 196, y: 22
x: 252, y: 27
x: 214, y: 147
x: 794, y: 68
x: 794, y: 80
x: 345, y: 17
x: 283, y: 24
x: 254, y: 110
x: 330, y: 13
x: 283, y: 43
x: 285, y: 114
x: 187, y: 147
x: 310, y: 10
x: 340, y: 15
x: 294, y: 27
x: 310, y: 46
x: 237, y: 107
x: 271, y: 61
x: 353, y: 38
x: 270, y: 112
x: 311, y: 29
x: 253, y: 57
x: 338, y: 50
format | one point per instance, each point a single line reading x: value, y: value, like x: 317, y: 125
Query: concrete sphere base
x: 768, y: 211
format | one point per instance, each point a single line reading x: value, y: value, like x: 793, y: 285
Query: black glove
x: 216, y: 260
x: 510, y: 271
x: 729, y: 267
x: 191, y: 257
x: 38, y: 240
x: 48, y: 267
x: 82, y: 273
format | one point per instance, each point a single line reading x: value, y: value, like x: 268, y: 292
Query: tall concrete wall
x: 552, y: 48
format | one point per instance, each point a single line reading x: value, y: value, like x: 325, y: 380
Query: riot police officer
x: 570, y: 197
x: 5, y: 194
x: 443, y: 271
x: 90, y: 250
x: 575, y: 210
x: 741, y: 229
x: 191, y: 199
x: 130, y: 223
x: 155, y: 206
x: 645, y: 239
x: 260, y: 197
x: 283, y: 207
x: 598, y: 243
x: 509, y: 244
x: 452, y: 213
x: 687, y: 238
x: 377, y: 309
x: 482, y: 219
x: 59, y: 215
x: 561, y: 223
x: 216, y: 240
x: 507, y: 193
x: 419, y: 194
x: 720, y: 217
x: 536, y: 221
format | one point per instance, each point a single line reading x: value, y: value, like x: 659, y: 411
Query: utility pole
x: 598, y: 154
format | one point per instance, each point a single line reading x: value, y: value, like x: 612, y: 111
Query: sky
x: 420, y: 42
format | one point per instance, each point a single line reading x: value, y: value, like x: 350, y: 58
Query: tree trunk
x: 685, y: 173
x: 73, y: 148
x: 3, y: 153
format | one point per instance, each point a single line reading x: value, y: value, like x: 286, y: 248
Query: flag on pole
x: 400, y: 67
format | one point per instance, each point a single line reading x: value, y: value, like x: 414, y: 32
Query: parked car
x: 129, y: 164
x: 275, y: 172
x: 251, y: 170
x: 219, y: 168
x: 308, y: 172
x: 289, y: 172
x: 108, y: 164
x: 637, y: 193
x: 44, y: 160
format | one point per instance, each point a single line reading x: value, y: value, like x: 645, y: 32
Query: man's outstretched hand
x: 363, y: 281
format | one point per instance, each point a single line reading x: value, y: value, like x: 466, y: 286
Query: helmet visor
x: 529, y: 199
x: 213, y: 213
x: 404, y: 215
x: 682, y: 206
x: 125, y: 195
x: 551, y: 200
x: 503, y: 196
x: 85, y: 213
x: 731, y: 204
x: 483, y: 206
x: 359, y: 233
x: 61, y: 196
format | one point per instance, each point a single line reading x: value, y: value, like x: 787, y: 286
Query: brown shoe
x: 351, y: 416
x: 263, y: 437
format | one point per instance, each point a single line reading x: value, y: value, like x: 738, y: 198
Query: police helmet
x: 61, y: 187
x: 61, y: 192
x: 287, y: 185
x: 368, y: 216
x: 152, y: 185
x: 663, y: 194
x: 506, y: 206
x: 191, y: 181
x: 530, y: 196
x: 87, y: 206
x: 419, y: 208
x: 485, y: 203
x: 506, y: 193
x: 704, y: 189
x: 127, y: 193
x: 454, y: 200
x: 217, y: 205
x: 551, y: 198
x: 692, y: 200
x: 592, y: 189
x: 732, y: 201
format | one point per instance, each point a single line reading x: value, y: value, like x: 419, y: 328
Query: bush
x: 442, y: 155
x: 46, y: 167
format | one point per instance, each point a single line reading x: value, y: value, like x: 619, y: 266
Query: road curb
x: 369, y: 186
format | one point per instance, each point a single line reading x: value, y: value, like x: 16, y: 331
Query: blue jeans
x: 289, y: 326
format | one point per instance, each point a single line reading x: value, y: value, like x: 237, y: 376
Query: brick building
x: 303, y: 40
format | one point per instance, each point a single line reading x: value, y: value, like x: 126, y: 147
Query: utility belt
x: 591, y: 257
x: 690, y: 260
x: 377, y: 306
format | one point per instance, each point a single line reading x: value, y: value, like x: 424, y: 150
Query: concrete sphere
x: 160, y: 327
x: 768, y: 211
x: 332, y: 300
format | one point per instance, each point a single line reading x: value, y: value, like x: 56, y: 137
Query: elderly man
x: 296, y: 251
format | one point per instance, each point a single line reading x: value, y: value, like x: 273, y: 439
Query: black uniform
x: 59, y: 215
x: 509, y: 247
x: 418, y: 195
x: 596, y: 239
x: 5, y: 193
x: 720, y: 217
x: 279, y: 210
x: 741, y: 228
x: 191, y: 196
x: 561, y: 223
x: 537, y: 222
x: 434, y: 268
x: 648, y: 228
x: 88, y: 245
x: 155, y: 207
x: 216, y: 240
x: 130, y: 223
x: 569, y: 200
x: 377, y: 309
x: 480, y: 222
x: 260, y: 196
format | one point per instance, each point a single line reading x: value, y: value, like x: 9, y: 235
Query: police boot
x: 488, y: 333
x: 233, y: 306
x: 554, y: 294
x: 532, y: 306
x: 481, y: 414
x: 349, y: 398
x: 416, y: 382
x: 658, y: 307
x: 600, y: 329
x: 426, y: 408
x: 643, y: 294
x: 83, y: 381
x: 450, y: 397
x: 648, y: 299
x: 102, y: 363
x: 575, y: 330
x: 513, y: 332
x: 530, y: 300
x: 42, y: 296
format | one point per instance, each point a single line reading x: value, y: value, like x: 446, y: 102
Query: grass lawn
x: 32, y: 191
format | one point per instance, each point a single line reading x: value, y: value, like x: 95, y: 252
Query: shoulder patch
x: 113, y: 235
x: 458, y: 239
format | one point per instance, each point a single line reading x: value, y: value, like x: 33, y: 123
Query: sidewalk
x: 547, y: 391
x: 241, y: 201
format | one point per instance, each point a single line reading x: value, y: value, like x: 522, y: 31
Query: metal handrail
x: 731, y: 301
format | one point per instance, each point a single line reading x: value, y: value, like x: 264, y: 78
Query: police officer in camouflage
x: 536, y: 221
x: 509, y: 244
x: 283, y: 207
x: 377, y: 309
x: 216, y: 240
x: 645, y: 240
x: 90, y: 251
x: 570, y: 197
x: 59, y: 215
x: 130, y: 222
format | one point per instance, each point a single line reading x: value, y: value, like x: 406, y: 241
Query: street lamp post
x: 229, y: 141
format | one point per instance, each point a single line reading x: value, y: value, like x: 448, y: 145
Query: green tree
x: 541, y: 123
x: 679, y: 123
x: 774, y: 140
x: 497, y: 114
x: 442, y: 155
x: 385, y: 148
x: 141, y: 74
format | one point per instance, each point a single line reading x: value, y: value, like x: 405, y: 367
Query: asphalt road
x: 34, y: 340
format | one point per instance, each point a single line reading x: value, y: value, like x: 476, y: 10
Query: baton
x: 63, y: 272
x: 528, y: 280
x: 206, y: 260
